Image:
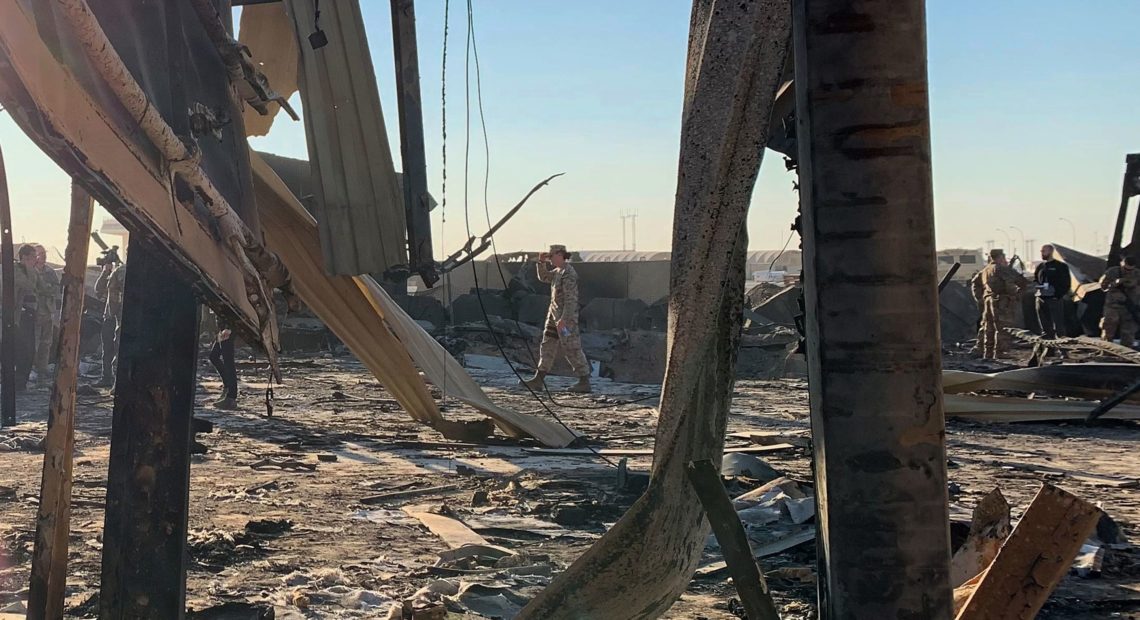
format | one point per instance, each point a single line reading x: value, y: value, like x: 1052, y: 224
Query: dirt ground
x: 305, y: 542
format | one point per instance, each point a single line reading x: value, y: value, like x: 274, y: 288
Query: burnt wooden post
x: 873, y: 345
x: 148, y: 485
x: 7, y: 306
x: 49, y: 562
x: 416, y: 199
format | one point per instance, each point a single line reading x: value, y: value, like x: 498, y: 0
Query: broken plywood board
x: 1011, y: 409
x: 360, y: 209
x: 1033, y: 560
x: 53, y: 108
x: 268, y: 33
x: 374, y: 327
x: 452, y: 531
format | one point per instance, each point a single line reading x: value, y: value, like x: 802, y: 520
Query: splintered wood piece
x: 452, y: 531
x: 1034, y: 559
x: 49, y: 562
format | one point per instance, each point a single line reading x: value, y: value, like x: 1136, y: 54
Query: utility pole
x: 623, y: 215
x: 416, y: 198
x: 1072, y: 229
x: 1008, y: 239
x: 633, y: 230
x: 1020, y: 235
x: 873, y: 344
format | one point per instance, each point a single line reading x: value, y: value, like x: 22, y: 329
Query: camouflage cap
x: 559, y: 249
x: 997, y: 253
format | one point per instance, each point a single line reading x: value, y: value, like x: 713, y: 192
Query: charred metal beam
x: 417, y: 202
x: 873, y: 347
x: 1130, y: 187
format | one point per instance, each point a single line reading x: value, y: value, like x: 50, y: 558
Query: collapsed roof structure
x: 148, y: 107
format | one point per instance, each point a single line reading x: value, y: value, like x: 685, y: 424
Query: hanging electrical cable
x: 467, y: 221
x: 487, y: 211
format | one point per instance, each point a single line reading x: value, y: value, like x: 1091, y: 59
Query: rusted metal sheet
x: 85, y: 134
x: 360, y: 209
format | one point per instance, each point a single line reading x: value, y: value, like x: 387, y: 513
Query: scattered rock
x: 569, y: 515
x: 749, y: 466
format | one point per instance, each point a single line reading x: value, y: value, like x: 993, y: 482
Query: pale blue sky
x: 1033, y: 107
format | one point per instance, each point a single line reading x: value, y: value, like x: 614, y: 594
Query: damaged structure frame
x: 864, y: 160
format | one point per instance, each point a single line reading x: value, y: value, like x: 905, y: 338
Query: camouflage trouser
x: 1117, y: 322
x: 571, y: 348
x: 997, y: 314
x: 45, y: 337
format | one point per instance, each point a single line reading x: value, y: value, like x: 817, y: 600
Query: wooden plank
x: 49, y: 560
x: 452, y: 531
x: 148, y: 485
x: 1033, y: 560
x: 647, y: 451
x: 55, y: 111
x: 746, y: 575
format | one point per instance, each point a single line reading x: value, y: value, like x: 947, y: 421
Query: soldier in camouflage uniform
x: 26, y: 282
x: 1121, y: 287
x: 561, y: 331
x: 47, y: 312
x: 110, y: 286
x: 997, y: 289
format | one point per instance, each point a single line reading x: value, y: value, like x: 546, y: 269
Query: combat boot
x: 226, y: 404
x: 537, y: 382
x: 581, y: 387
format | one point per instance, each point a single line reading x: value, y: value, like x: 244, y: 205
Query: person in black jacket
x: 1053, y: 284
x: 222, y: 357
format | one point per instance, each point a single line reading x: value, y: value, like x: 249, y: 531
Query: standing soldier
x: 561, y: 320
x: 110, y: 286
x: 26, y: 285
x: 47, y: 313
x: 998, y: 288
x: 1121, y: 286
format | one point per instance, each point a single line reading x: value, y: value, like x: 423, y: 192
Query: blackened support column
x: 148, y: 486
x: 873, y: 344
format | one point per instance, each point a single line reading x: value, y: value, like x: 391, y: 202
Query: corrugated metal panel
x: 360, y: 210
